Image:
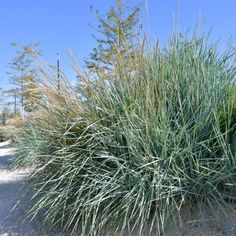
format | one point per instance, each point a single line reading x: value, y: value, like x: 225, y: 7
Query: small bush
x: 15, y: 121
x: 7, y: 133
x: 138, y: 145
x: 2, y: 134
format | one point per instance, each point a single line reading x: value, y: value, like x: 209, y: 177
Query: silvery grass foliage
x: 137, y: 145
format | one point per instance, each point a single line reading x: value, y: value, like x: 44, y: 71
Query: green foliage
x: 232, y: 105
x: 32, y: 96
x: 23, y: 74
x: 3, y: 135
x: 5, y: 114
x: 7, y: 132
x: 118, y: 32
x: 228, y: 117
x: 139, y: 146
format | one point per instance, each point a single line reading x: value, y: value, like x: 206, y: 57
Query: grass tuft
x: 137, y: 145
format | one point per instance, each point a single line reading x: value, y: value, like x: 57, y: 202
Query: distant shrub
x: 7, y: 133
x: 137, y: 146
x: 15, y: 121
x: 2, y: 134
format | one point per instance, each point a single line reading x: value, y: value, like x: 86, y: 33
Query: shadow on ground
x: 5, y: 159
x: 12, y: 207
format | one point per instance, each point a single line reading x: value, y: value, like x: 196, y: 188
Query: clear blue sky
x: 60, y: 24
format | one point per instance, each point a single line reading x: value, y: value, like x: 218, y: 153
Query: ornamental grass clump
x: 137, y: 144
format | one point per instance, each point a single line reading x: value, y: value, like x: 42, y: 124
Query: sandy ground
x: 11, y: 220
x: 11, y: 212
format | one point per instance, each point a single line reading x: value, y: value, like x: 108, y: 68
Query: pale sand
x: 11, y: 212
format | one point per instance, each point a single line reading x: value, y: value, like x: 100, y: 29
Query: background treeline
x: 116, y: 34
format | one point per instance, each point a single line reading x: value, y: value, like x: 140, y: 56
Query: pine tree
x: 22, y: 72
x: 13, y: 94
x: 119, y: 30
